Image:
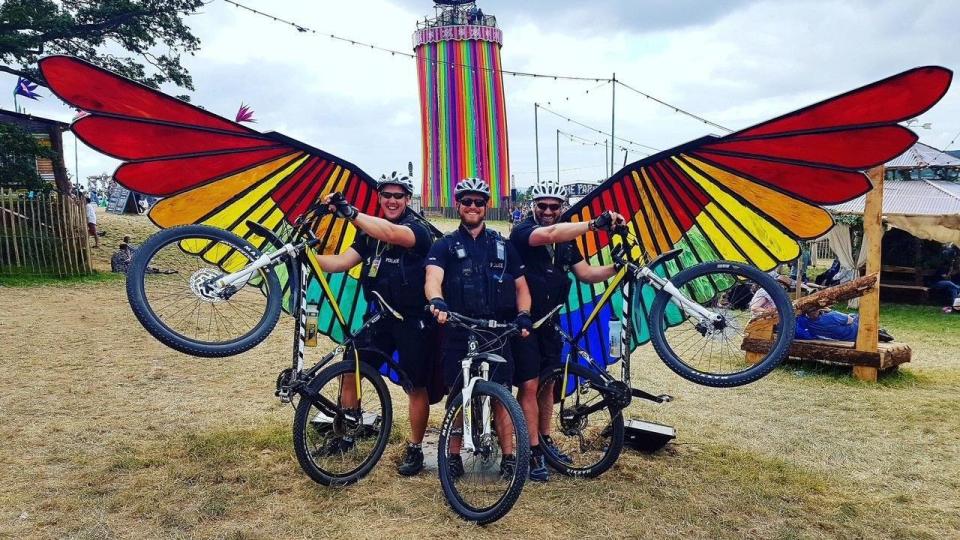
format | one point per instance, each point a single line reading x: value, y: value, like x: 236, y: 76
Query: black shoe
x: 455, y: 464
x: 508, y: 466
x: 884, y: 336
x: 336, y: 446
x: 412, y: 461
x: 561, y: 457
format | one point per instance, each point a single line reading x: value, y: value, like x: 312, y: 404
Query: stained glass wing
x: 213, y: 171
x: 748, y: 196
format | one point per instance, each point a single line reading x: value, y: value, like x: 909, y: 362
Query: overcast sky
x: 735, y: 63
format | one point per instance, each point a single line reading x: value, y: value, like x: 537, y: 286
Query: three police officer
x: 392, y: 250
x: 477, y: 272
x: 548, y: 253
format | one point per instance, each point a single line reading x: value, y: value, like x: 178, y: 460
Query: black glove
x: 524, y: 322
x: 603, y: 221
x: 343, y: 208
x: 438, y: 304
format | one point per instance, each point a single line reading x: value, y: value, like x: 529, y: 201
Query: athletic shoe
x: 412, y: 461
x: 538, y: 469
x: 561, y: 457
x: 455, y: 464
x: 508, y: 466
x: 336, y: 446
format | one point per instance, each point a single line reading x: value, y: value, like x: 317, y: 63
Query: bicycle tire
x: 302, y: 418
x: 616, y: 428
x: 522, y: 452
x: 138, y: 298
x: 757, y: 370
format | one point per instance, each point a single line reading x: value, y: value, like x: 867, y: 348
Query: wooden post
x: 870, y: 302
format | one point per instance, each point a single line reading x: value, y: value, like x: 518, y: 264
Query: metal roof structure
x: 914, y: 198
x: 922, y: 155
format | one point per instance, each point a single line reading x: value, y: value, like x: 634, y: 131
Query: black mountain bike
x: 696, y: 321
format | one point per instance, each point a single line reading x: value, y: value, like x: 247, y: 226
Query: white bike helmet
x: 471, y: 185
x: 549, y: 191
x: 394, y: 180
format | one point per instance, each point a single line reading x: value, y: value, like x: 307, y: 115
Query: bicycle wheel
x: 487, y: 489
x: 168, y: 289
x: 338, y: 439
x: 712, y: 354
x: 586, y: 427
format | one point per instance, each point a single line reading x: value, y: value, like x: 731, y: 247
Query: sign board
x: 117, y: 198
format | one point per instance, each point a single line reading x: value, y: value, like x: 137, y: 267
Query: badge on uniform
x: 374, y: 267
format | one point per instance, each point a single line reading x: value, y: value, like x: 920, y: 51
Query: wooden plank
x: 56, y: 218
x: 5, y: 230
x: 44, y: 234
x: 873, y: 235
x: 85, y: 257
x: 839, y: 352
x: 70, y: 232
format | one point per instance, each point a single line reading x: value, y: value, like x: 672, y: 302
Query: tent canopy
x: 927, y: 209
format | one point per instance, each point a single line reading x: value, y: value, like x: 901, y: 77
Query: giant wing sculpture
x: 216, y: 172
x: 748, y: 196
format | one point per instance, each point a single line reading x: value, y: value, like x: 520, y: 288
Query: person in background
x: 828, y: 324
x: 92, y: 222
x: 120, y: 260
x: 944, y: 278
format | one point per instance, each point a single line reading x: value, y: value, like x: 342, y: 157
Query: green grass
x: 33, y: 280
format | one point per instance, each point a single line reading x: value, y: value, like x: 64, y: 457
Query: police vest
x: 478, y: 284
x: 548, y: 277
x: 397, y: 273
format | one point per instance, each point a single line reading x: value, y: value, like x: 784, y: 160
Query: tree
x: 18, y: 159
x: 151, y: 32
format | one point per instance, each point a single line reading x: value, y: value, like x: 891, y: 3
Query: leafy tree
x: 18, y: 159
x: 140, y: 39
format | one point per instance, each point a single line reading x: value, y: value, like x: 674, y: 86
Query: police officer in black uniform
x: 392, y: 251
x: 549, y: 253
x: 477, y: 272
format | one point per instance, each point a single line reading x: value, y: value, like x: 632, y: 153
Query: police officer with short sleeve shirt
x: 549, y: 253
x: 392, y: 252
x: 477, y: 272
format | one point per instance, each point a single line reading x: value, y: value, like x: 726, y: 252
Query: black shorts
x: 410, y: 338
x: 536, y: 352
x: 454, y: 348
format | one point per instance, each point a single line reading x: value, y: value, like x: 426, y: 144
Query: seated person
x: 120, y: 260
x: 945, y: 279
x: 828, y: 324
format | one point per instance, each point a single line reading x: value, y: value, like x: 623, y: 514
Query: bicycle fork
x: 467, y: 393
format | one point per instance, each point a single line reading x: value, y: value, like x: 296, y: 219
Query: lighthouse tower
x: 463, y: 113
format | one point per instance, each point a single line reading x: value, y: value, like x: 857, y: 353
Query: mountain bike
x: 483, y: 422
x: 696, y: 325
x: 225, y: 297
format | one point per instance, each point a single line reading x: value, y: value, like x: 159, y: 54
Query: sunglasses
x: 479, y: 203
x: 548, y: 206
x: 392, y: 195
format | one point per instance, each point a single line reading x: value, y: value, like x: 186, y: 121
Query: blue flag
x: 26, y: 88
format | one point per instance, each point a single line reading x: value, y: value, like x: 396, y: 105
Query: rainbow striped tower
x: 463, y: 113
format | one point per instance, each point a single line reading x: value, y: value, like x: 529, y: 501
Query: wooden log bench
x: 866, y: 364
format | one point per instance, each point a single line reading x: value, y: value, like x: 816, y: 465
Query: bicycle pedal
x: 284, y: 395
x: 665, y: 398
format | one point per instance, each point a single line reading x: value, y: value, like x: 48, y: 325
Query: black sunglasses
x: 392, y: 195
x: 479, y: 203
x: 548, y: 206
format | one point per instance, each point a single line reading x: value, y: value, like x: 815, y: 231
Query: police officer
x: 476, y: 272
x: 392, y: 250
x: 548, y: 252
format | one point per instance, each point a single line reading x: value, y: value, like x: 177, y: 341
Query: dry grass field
x: 108, y: 434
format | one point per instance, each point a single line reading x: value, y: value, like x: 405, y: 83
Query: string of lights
x: 955, y: 137
x: 674, y: 107
x: 583, y: 93
x: 561, y: 170
x: 589, y: 142
x: 600, y: 131
x: 393, y: 52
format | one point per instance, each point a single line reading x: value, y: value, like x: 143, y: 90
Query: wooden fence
x: 44, y: 235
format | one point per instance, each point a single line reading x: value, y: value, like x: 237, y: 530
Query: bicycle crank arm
x: 662, y: 398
